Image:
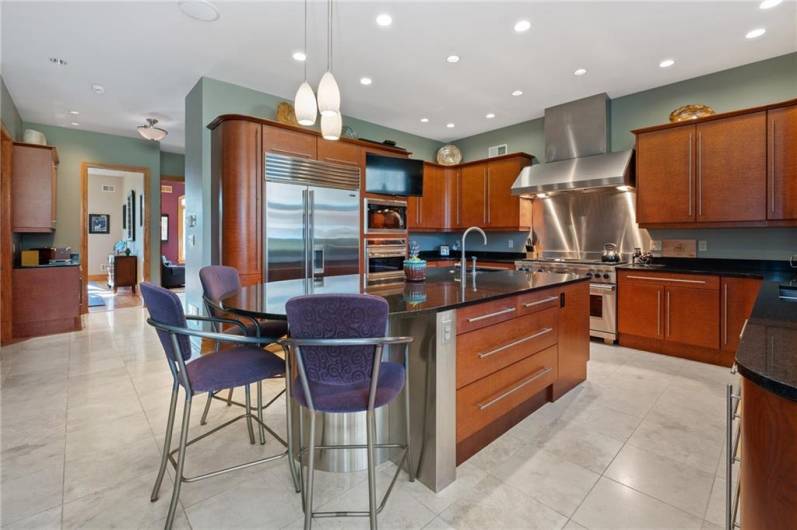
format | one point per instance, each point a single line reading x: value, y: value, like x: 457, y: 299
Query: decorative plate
x: 449, y: 155
x: 349, y: 133
x: 691, y: 112
x: 286, y: 114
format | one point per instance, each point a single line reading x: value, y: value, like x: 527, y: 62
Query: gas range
x: 596, y: 270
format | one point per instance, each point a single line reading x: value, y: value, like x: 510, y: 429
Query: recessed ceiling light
x: 580, y: 71
x: 450, y: 125
x: 517, y: 93
x: 755, y: 33
x: 199, y: 10
x: 366, y: 81
x: 58, y: 61
x: 384, y: 20
x: 452, y: 59
x: 424, y: 120
x: 299, y: 56
x: 769, y: 4
x: 489, y: 115
x: 522, y: 25
x: 74, y: 112
x: 75, y: 124
x: 98, y: 89
x: 666, y: 63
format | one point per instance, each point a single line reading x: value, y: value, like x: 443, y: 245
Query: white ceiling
x: 148, y: 55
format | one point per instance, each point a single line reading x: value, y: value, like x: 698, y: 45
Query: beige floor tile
x: 498, y: 451
x: 716, y: 504
x: 670, y: 481
x: 680, y: 441
x: 572, y: 525
x: 468, y: 477
x: 613, y: 506
x: 603, y: 420
x: 31, y: 494
x: 438, y: 524
x: 36, y: 454
x: 579, y: 446
x: 46, y: 520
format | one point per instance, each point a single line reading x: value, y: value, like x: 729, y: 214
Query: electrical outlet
x: 655, y: 244
x: 702, y: 245
x: 511, y: 243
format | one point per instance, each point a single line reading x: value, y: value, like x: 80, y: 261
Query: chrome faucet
x: 462, y: 266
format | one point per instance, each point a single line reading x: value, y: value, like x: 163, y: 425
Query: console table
x: 122, y: 271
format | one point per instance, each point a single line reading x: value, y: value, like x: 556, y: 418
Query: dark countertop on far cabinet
x: 771, y: 270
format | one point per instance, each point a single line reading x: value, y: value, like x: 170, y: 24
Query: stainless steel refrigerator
x: 311, y: 219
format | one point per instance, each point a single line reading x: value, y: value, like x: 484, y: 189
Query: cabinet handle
x: 661, y: 279
x: 543, y: 301
x: 515, y: 343
x: 725, y: 314
x: 667, y: 330
x: 491, y: 315
x: 744, y: 327
x: 486, y: 212
x: 772, y: 169
x: 700, y: 174
x: 533, y: 377
x: 658, y: 313
x: 690, y: 174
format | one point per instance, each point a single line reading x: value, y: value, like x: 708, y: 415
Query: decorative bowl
x: 415, y: 270
x: 449, y: 155
x: 691, y: 112
x: 286, y: 114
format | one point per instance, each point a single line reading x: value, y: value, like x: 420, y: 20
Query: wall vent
x: 109, y: 188
x: 497, y: 150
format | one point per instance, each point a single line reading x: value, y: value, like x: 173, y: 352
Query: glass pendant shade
x: 305, y: 105
x: 331, y: 125
x: 328, y: 95
x: 150, y: 132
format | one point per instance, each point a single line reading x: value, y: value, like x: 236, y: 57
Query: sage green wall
x: 172, y: 164
x: 9, y: 113
x: 75, y: 147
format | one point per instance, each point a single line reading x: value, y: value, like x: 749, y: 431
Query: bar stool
x: 337, y: 341
x: 218, y: 282
x: 242, y: 365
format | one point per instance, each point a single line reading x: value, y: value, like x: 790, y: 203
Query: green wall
x: 9, y: 113
x: 172, y: 164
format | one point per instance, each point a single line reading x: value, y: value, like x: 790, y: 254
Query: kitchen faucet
x: 462, y: 267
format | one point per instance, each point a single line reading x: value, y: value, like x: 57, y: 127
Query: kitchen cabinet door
x: 338, y: 152
x: 692, y: 316
x: 731, y: 169
x: 473, y: 195
x: 413, y: 213
x: 452, y: 200
x: 290, y: 143
x: 639, y: 309
x: 782, y: 162
x: 33, y: 186
x: 665, y: 176
x: 504, y: 210
x: 433, y: 203
x: 738, y: 296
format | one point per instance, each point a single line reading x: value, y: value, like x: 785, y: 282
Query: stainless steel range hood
x: 576, y: 151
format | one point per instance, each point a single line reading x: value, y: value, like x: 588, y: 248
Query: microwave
x: 385, y: 216
x: 384, y: 259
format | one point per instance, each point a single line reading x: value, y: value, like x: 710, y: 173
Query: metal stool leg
x: 289, y: 420
x: 178, y: 475
x: 248, y: 394
x: 308, y: 511
x: 410, y: 465
x: 260, y: 427
x: 204, y: 419
x: 301, y: 459
x: 229, y: 398
x: 370, y: 435
x: 167, y: 443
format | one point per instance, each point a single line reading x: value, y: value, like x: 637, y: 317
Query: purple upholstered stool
x: 337, y: 341
x: 219, y: 282
x: 242, y: 365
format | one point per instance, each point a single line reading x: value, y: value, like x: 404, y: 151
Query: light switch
x: 511, y: 243
x: 702, y: 245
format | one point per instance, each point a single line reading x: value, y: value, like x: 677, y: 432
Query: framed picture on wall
x: 99, y: 223
x: 124, y: 217
x: 141, y: 210
x: 164, y: 227
x: 131, y: 216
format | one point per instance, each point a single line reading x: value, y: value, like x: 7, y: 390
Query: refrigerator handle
x: 311, y: 234
x: 306, y: 231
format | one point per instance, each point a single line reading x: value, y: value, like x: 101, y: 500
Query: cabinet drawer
x: 486, y: 400
x: 485, y: 351
x: 486, y: 314
x: 537, y: 301
x: 698, y: 281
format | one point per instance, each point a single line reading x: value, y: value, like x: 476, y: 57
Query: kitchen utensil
x: 610, y: 254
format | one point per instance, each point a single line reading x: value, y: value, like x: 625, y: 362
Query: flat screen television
x: 389, y: 175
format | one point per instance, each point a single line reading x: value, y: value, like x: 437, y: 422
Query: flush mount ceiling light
x: 452, y: 59
x: 150, y: 132
x: 450, y: 125
x: 755, y: 33
x: 58, y: 61
x: 97, y: 89
x: 769, y: 4
x: 331, y: 125
x: 299, y: 56
x: 304, y: 103
x: 517, y: 93
x: 201, y: 10
x: 522, y: 25
x: 366, y: 81
x: 328, y: 91
x: 580, y: 71
x: 489, y: 115
x: 666, y: 63
x: 424, y: 120
x: 384, y: 20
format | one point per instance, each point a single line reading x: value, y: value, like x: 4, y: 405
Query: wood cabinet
x: 46, y: 300
x: 339, y: 153
x: 639, y: 308
x: 737, y: 297
x: 122, y: 272
x: 504, y: 210
x: 473, y: 195
x: 429, y: 212
x: 782, y: 163
x: 33, y: 188
x: 691, y: 315
x: 733, y: 169
x: 573, y: 338
x: 288, y: 142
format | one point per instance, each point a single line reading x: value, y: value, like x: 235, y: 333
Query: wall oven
x: 385, y: 216
x: 384, y: 259
x: 603, y: 311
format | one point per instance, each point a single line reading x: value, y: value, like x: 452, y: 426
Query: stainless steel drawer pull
x: 543, y: 301
x: 533, y: 377
x: 515, y: 343
x: 656, y: 278
x: 491, y: 315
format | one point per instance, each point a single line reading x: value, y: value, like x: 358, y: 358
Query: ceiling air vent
x: 496, y: 150
x: 109, y: 188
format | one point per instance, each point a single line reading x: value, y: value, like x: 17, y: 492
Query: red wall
x: 169, y: 202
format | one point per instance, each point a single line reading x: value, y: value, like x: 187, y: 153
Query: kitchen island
x: 488, y: 351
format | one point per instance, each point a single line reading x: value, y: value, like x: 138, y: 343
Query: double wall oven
x: 385, y: 226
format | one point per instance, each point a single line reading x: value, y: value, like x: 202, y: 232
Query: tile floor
x: 637, y: 446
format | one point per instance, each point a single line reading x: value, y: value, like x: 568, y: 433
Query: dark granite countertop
x: 742, y: 268
x: 767, y: 354
x: 441, y: 291
x: 48, y: 265
x: 504, y: 257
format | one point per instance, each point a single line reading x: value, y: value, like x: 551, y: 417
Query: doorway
x: 115, y: 240
x: 172, y: 232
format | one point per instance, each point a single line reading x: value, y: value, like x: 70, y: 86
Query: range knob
x: 589, y: 275
x: 605, y: 275
x: 540, y: 270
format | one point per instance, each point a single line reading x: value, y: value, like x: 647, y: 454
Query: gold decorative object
x: 691, y: 112
x: 286, y: 114
x: 449, y: 155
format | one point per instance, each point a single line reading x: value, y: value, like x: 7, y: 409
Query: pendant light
x: 304, y: 104
x: 150, y: 132
x: 331, y: 125
x: 328, y: 91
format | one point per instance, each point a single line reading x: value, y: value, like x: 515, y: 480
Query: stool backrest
x: 219, y: 281
x: 165, y: 308
x: 337, y: 316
